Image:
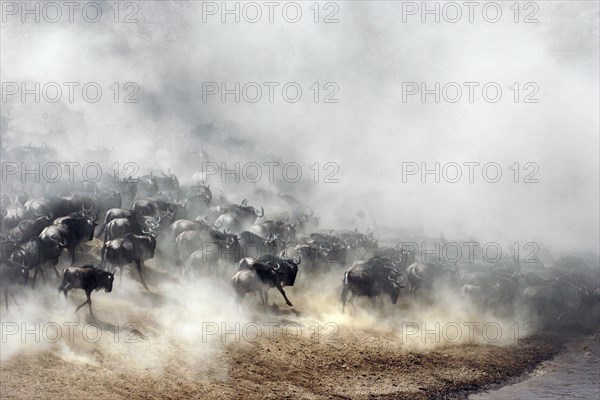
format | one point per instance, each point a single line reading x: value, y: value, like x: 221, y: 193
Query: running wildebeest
x: 371, y: 278
x: 11, y: 274
x: 258, y: 275
x: 129, y: 249
x: 87, y: 278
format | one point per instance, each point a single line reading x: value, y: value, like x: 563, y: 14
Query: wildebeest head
x: 147, y: 184
x: 104, y: 279
x: 395, y: 279
x: 203, y: 191
x: 148, y: 239
x: 249, y: 210
x: 287, y: 268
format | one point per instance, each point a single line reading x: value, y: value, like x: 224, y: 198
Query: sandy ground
x: 360, y: 365
x: 157, y: 345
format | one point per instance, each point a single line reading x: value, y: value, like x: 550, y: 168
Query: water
x: 574, y: 374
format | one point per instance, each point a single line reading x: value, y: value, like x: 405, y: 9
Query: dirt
x: 154, y: 345
x: 357, y: 365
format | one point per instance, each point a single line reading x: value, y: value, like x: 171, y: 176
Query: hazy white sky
x: 368, y: 55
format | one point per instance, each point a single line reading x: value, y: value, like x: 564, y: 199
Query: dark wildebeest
x: 147, y: 186
x: 182, y: 225
x: 258, y: 275
x: 129, y: 249
x: 371, y: 278
x: 87, y: 278
x: 167, y: 183
x: 27, y: 229
x: 552, y: 302
x: 199, y: 199
x: 425, y: 276
x: 11, y: 274
x: 15, y: 213
x: 240, y: 218
x: 70, y: 233
x: 115, y: 213
x: 36, y: 252
x: 284, y: 230
x: 119, y: 227
x: 252, y: 245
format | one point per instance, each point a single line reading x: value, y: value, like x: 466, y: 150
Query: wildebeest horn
x: 244, y: 202
x: 355, y: 241
x: 297, y: 262
x: 63, y: 242
x: 277, y: 268
x: 262, y: 212
x: 151, y: 173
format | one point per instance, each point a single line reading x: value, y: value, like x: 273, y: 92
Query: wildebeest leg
x: 12, y: 296
x: 55, y: 271
x: 138, y: 265
x: 88, y: 301
x: 6, y: 298
x: 72, y: 254
x: 278, y: 286
x: 343, y: 297
x: 263, y: 298
x: 351, y: 301
x: 41, y: 271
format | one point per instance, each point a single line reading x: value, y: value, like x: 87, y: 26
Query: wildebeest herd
x: 193, y: 233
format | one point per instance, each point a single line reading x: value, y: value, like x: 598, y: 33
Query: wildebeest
x: 255, y: 246
x: 159, y: 206
x: 258, y: 275
x: 427, y: 275
x: 115, y: 213
x: 167, y: 183
x: 119, y: 227
x: 371, y: 278
x: 27, y: 229
x: 284, y: 230
x: 15, y: 213
x: 36, y: 252
x: 129, y: 249
x: 552, y: 302
x: 147, y: 186
x: 87, y: 278
x: 70, y: 232
x: 182, y: 225
x: 11, y: 274
x: 242, y: 217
